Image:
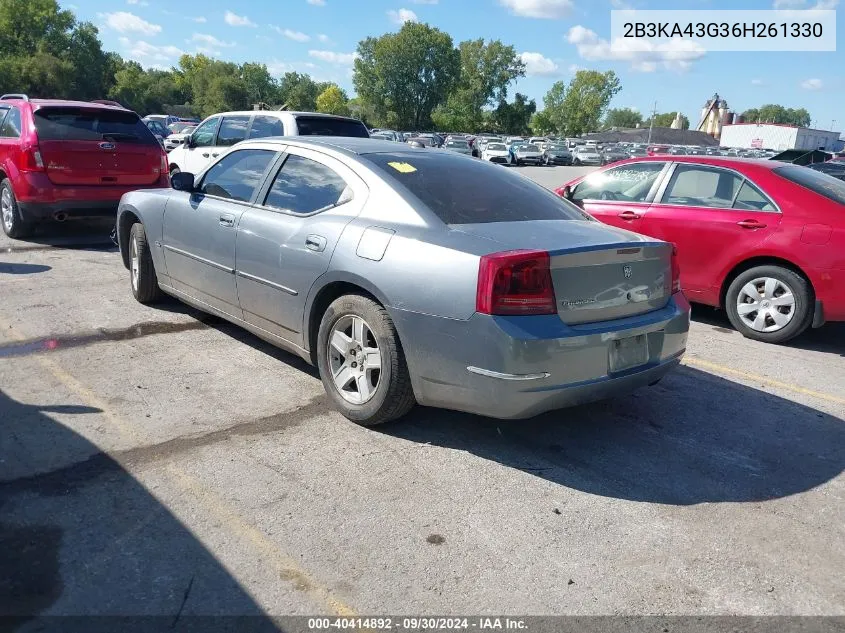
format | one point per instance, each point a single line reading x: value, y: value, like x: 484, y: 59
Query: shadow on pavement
x: 8, y: 268
x: 73, y: 234
x: 80, y: 536
x: 729, y: 443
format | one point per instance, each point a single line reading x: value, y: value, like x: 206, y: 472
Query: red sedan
x: 762, y: 239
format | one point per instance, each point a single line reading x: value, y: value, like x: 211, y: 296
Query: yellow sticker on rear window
x: 403, y: 168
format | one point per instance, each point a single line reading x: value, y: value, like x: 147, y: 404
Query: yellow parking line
x: 287, y: 568
x: 776, y: 384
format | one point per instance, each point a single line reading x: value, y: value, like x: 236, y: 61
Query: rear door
x: 621, y: 195
x: 96, y: 146
x: 712, y: 215
x: 286, y: 242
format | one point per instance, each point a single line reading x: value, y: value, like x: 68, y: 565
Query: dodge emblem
x: 628, y: 272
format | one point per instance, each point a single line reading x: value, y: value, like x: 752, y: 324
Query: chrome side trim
x: 213, y: 264
x: 495, y: 374
x: 266, y: 282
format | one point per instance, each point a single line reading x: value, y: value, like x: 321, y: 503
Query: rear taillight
x: 515, y: 282
x: 676, y: 271
x: 32, y: 160
x: 164, y: 166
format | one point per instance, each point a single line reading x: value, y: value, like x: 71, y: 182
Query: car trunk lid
x: 82, y: 146
x: 598, y: 272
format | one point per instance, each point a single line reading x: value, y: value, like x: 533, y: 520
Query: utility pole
x: 651, y: 122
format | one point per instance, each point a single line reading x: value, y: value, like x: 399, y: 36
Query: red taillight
x: 515, y: 282
x: 32, y: 160
x: 676, y: 271
x: 164, y: 166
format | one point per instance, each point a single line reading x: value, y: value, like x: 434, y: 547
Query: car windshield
x: 79, y: 124
x: 461, y: 191
x: 179, y: 127
x: 529, y: 148
x: 497, y: 147
x: 816, y: 181
x: 460, y: 144
x: 558, y: 147
x: 328, y: 126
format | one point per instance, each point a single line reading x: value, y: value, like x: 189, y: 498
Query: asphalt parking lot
x: 160, y: 461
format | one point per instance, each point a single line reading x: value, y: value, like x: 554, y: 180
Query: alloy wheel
x: 766, y: 304
x: 6, y: 208
x: 354, y: 359
x: 134, y: 263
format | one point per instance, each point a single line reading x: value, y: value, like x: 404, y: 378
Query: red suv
x: 61, y: 159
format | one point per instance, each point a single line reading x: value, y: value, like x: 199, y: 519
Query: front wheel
x: 770, y: 304
x: 361, y: 362
x: 141, y: 268
x: 576, y: 162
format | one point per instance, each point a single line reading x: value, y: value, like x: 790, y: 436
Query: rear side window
x: 11, y: 127
x: 328, y: 126
x: 79, y: 124
x: 822, y: 184
x: 232, y: 130
x: 305, y: 186
x: 264, y: 126
x: 461, y: 191
x: 699, y: 186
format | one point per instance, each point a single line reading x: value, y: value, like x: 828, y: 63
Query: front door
x: 286, y: 242
x: 710, y: 214
x: 619, y: 196
x: 194, y: 158
x: 200, y: 228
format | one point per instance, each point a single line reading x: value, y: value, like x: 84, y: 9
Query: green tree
x: 514, y: 118
x: 541, y: 124
x: 260, y: 85
x: 333, y: 100
x: 579, y: 107
x: 772, y: 113
x: 299, y: 92
x: 666, y: 119
x: 409, y: 73
x: 622, y: 117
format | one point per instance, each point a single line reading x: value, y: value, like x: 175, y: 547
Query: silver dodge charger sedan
x: 411, y: 276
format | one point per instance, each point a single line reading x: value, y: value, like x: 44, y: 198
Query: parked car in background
x: 425, y: 139
x: 497, y: 153
x: 458, y: 145
x: 585, y: 155
x: 528, y: 154
x: 613, y: 154
x: 364, y: 256
x: 177, y: 138
x: 163, y: 119
x: 220, y: 131
x: 835, y: 168
x: 158, y: 129
x: 557, y: 153
x: 180, y: 126
x: 66, y: 159
x: 762, y: 239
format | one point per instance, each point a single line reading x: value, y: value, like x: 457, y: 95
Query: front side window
x: 237, y: 175
x: 204, y: 135
x: 232, y: 130
x: 264, y: 126
x: 11, y: 127
x: 627, y: 183
x: 700, y: 186
x: 305, y: 186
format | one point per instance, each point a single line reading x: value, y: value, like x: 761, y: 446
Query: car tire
x: 10, y: 214
x: 576, y: 162
x: 783, y: 281
x: 142, y: 273
x: 383, y: 398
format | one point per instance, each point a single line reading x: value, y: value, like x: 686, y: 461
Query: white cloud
x: 548, y: 9
x: 424, y: 1
x: 278, y: 68
x: 812, y: 84
x: 209, y: 41
x: 537, y: 65
x: 296, y: 36
x: 643, y: 55
x: 325, y: 39
x: 233, y: 19
x: 144, y: 51
x: 401, y: 16
x: 317, y: 3
x: 200, y: 19
x: 802, y: 4
x: 332, y: 57
x: 125, y: 22
x: 574, y: 68
x: 757, y: 82
x: 140, y: 3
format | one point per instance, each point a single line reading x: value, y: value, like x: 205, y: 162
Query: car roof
x: 716, y: 161
x: 283, y: 113
x: 65, y: 103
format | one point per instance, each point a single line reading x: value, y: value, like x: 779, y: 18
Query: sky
x: 554, y: 37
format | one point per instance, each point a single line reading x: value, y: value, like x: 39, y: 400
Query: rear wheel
x: 141, y: 268
x: 770, y: 303
x: 361, y: 362
x: 10, y: 215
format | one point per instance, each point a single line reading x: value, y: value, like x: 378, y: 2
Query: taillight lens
x: 164, y: 166
x: 676, y: 271
x: 32, y: 160
x: 515, y: 282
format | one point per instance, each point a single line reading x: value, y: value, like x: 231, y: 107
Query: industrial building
x: 714, y: 116
x: 778, y: 137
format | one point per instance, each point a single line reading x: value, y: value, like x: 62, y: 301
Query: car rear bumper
x: 559, y: 160
x: 518, y: 367
x: 497, y: 159
x: 39, y: 199
x: 529, y: 159
x: 829, y: 286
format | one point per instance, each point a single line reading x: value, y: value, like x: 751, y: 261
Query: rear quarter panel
x: 148, y: 206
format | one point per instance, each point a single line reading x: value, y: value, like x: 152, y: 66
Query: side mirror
x: 182, y: 181
x: 188, y: 142
x: 567, y: 192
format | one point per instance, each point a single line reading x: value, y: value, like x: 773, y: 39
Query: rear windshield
x: 823, y: 184
x: 326, y: 126
x: 461, y: 191
x: 461, y: 144
x: 78, y: 124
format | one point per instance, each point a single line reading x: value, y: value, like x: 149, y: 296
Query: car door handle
x: 629, y: 215
x: 751, y: 224
x: 215, y: 155
x: 315, y: 243
x: 227, y: 220
x: 205, y: 155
